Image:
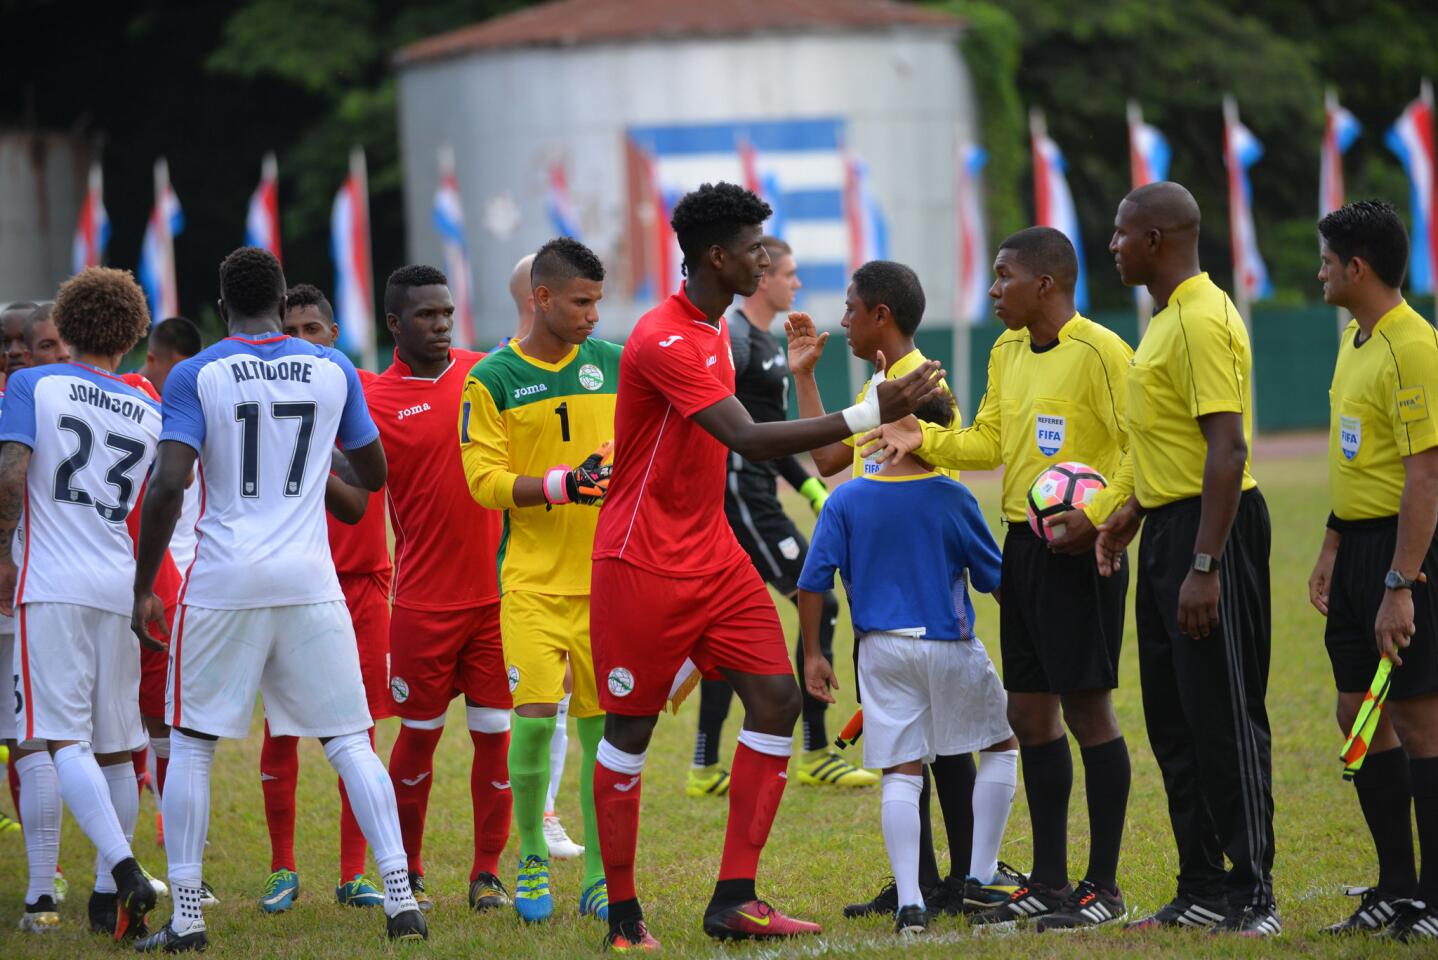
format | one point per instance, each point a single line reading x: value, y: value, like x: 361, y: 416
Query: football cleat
x: 560, y: 846
x: 207, y: 895
x: 166, y: 940
x: 40, y: 916
x: 1376, y: 912
x: 1089, y: 906
x: 911, y: 921
x: 631, y: 938
x: 885, y: 901
x: 421, y: 896
x: 9, y: 825
x: 827, y: 768
x: 134, y: 897
x: 101, y: 910
x: 980, y: 895
x: 755, y: 920
x: 532, y: 899
x: 161, y: 890
x: 707, y: 781
x: 62, y: 886
x: 487, y: 893
x: 407, y: 925
x: 947, y: 899
x: 1182, y: 911
x: 359, y: 892
x: 281, y: 891
x: 594, y: 902
x: 1417, y: 923
x: 1026, y: 903
x: 1251, y: 922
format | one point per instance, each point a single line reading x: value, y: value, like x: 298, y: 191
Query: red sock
x: 279, y: 775
x: 616, y: 805
x: 162, y: 764
x: 139, y: 759
x: 493, y: 803
x: 14, y: 784
x: 352, y: 842
x: 411, y: 769
x: 756, y: 785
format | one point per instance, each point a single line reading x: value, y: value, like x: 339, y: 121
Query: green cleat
x: 707, y: 781
x: 281, y: 891
x: 532, y: 899
x: 359, y: 892
x: 827, y: 768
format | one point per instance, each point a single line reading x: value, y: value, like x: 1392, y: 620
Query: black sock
x: 1048, y: 780
x: 928, y: 864
x: 623, y: 914
x: 1106, y: 776
x: 1385, y: 793
x: 727, y: 893
x: 816, y: 737
x: 1425, y: 812
x: 954, y: 783
x: 714, y: 697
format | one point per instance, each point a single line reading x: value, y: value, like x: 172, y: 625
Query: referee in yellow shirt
x: 1376, y: 579
x: 1202, y: 601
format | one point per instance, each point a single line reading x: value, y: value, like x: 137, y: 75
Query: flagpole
x: 369, y: 355
x: 1330, y: 110
x: 1425, y: 93
x: 168, y: 283
x: 1142, y: 302
x: 1240, y: 295
x: 97, y: 194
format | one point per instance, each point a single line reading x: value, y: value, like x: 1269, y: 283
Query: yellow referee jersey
x: 1045, y: 405
x: 521, y: 416
x: 1381, y: 411
x: 1193, y: 360
x: 898, y: 368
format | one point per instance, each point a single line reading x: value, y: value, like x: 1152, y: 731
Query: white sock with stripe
x: 85, y: 792
x: 186, y: 805
x: 993, y: 797
x: 125, y: 798
x: 371, y: 795
x: 900, y: 819
x: 40, y: 815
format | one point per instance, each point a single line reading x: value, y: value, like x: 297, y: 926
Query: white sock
x: 125, y: 798
x: 186, y: 805
x: 371, y: 796
x: 900, y: 818
x: 40, y: 814
x: 558, y: 749
x: 85, y: 792
x: 993, y: 796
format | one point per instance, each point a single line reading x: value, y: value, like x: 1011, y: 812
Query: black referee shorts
x: 764, y: 530
x: 1365, y: 554
x: 1060, y: 623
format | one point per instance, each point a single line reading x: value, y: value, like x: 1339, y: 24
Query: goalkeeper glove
x: 586, y: 483
x: 815, y: 492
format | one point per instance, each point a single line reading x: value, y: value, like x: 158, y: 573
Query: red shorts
x: 436, y: 655
x: 367, y: 597
x: 155, y: 669
x: 643, y: 625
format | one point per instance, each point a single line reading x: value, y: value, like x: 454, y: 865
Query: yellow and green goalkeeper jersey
x: 520, y: 417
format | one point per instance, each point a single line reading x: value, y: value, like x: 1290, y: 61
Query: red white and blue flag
x: 562, y: 215
x: 350, y: 249
x: 157, y: 251
x: 868, y: 228
x: 971, y: 287
x: 262, y: 222
x: 1242, y: 150
x: 449, y: 224
x: 1053, y: 202
x: 1148, y: 150
x: 1411, y: 138
x: 92, y: 230
x: 761, y: 180
x: 1340, y: 129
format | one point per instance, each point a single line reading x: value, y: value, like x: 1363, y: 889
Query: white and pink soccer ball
x: 1059, y: 489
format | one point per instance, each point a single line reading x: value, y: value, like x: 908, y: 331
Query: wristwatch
x: 1396, y: 581
x: 1204, y: 563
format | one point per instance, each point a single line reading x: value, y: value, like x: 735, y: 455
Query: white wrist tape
x: 555, y: 488
x: 864, y: 415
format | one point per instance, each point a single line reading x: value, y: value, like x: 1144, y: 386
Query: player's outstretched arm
x: 14, y: 464
x: 806, y: 346
x: 160, y: 510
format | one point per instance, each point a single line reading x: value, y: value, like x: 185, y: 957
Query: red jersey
x: 167, y: 578
x: 446, y: 546
x: 362, y: 547
x: 665, y: 508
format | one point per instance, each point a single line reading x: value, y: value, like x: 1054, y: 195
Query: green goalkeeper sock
x: 529, y: 780
x: 591, y: 731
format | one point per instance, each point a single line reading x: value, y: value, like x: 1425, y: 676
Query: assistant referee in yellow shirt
x: 1202, y: 601
x: 1370, y: 577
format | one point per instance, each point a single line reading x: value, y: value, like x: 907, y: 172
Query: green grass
x: 825, y: 849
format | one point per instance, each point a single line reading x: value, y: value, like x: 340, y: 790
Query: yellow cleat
x: 827, y: 768
x: 8, y: 825
x: 707, y: 781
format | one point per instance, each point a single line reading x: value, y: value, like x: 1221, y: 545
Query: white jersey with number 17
x: 263, y: 415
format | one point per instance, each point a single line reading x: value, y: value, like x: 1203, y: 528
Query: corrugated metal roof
x: 569, y: 22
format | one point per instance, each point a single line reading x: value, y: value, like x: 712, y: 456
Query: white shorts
x: 302, y: 659
x: 78, y: 677
x: 928, y: 698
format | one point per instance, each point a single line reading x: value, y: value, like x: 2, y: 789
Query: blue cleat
x: 532, y: 899
x: 595, y: 901
x: 359, y: 892
x: 281, y: 889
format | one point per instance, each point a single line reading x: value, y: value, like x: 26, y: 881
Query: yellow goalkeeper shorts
x: 543, y: 634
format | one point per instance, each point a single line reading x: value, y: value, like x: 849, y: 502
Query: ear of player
x: 586, y: 483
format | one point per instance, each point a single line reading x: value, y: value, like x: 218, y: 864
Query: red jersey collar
x: 403, y: 369
x: 681, y: 297
x: 276, y: 338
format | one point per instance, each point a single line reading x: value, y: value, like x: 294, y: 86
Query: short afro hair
x: 399, y: 284
x: 101, y: 311
x: 938, y: 409
x: 714, y: 214
x: 1371, y: 231
x: 563, y: 259
x: 896, y: 287
x: 178, y: 335
x: 1044, y: 250
x: 252, y: 284
x: 309, y: 295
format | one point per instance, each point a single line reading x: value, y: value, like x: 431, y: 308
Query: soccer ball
x: 1060, y: 488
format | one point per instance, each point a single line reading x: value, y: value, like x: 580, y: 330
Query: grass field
x: 825, y: 849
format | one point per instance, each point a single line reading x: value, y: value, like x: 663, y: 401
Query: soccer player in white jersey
x: 261, y: 610
x: 77, y: 442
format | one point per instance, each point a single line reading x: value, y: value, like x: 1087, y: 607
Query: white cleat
x: 156, y: 884
x: 560, y: 846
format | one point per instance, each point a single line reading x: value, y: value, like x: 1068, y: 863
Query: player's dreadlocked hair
x: 101, y: 311
x: 251, y: 283
x: 309, y: 295
x: 1372, y: 231
x: 564, y: 258
x: 712, y: 215
x: 402, y: 280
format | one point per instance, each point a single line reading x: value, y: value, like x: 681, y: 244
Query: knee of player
x: 1091, y: 719
x: 486, y: 719
x: 779, y: 711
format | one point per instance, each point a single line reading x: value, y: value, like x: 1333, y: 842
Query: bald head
x: 1155, y: 236
x: 520, y: 291
x: 1165, y: 206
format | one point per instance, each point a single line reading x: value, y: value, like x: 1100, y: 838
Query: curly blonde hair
x: 101, y: 311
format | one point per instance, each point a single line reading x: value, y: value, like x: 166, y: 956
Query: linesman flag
x: 449, y: 224
x: 1053, y: 203
x: 1242, y: 150
x: 1340, y: 129
x: 1411, y: 138
x: 1365, y: 722
x: 262, y: 222
x: 92, y: 230
x: 157, y: 251
x: 350, y: 248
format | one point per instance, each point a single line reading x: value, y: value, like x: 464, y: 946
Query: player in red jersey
x: 671, y: 581
x: 361, y: 558
x: 444, y: 628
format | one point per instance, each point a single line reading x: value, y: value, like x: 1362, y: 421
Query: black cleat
x: 912, y: 921
x: 1028, y: 902
x: 421, y: 897
x: 1417, y: 923
x: 487, y: 892
x: 134, y: 898
x: 166, y: 940
x: 1089, y: 906
x: 947, y: 899
x: 885, y: 901
x: 1376, y: 912
x: 1251, y: 921
x: 1183, y: 912
x: 102, y: 913
x: 407, y: 925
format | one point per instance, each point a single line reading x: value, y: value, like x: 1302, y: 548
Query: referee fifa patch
x: 1350, y: 436
x: 1049, y: 433
x: 1412, y: 404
